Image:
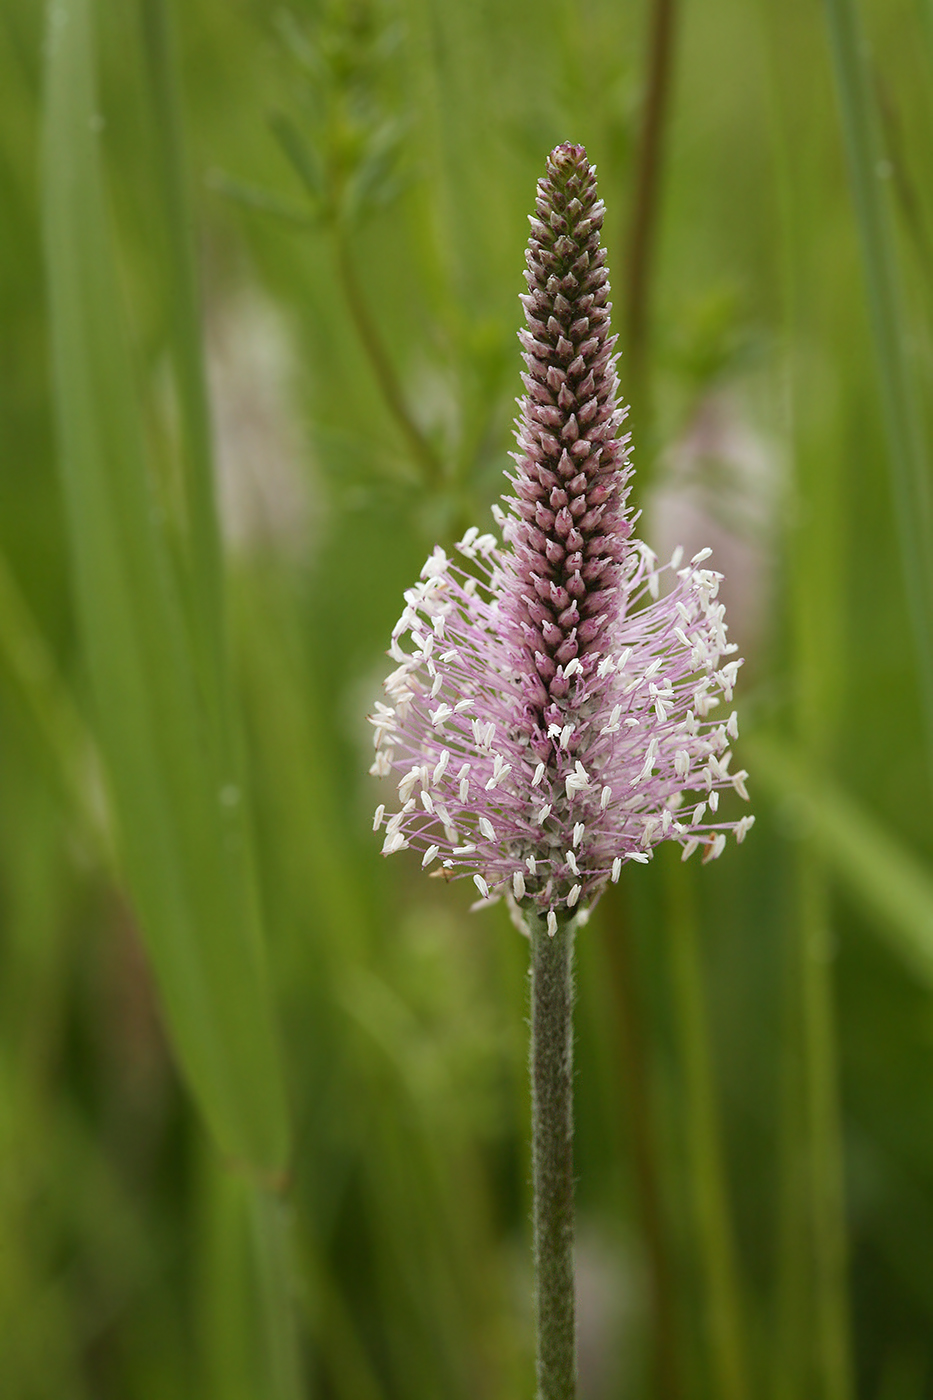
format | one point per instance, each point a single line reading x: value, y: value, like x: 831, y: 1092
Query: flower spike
x: 554, y: 718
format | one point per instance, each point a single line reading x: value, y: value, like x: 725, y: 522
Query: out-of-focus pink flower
x: 555, y: 718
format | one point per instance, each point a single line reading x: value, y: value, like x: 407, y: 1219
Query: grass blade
x: 717, y: 1260
x: 181, y: 832
x: 874, y: 868
x: 907, y: 447
x: 204, y: 582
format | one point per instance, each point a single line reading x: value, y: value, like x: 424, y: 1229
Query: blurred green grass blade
x: 872, y: 866
x: 825, y: 1202
x: 903, y: 422
x: 718, y: 1264
x: 180, y: 833
x: 204, y: 555
x: 272, y: 1243
x: 64, y: 737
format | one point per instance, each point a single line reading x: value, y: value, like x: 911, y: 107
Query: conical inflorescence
x: 555, y: 717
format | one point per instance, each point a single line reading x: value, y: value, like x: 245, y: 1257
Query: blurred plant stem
x: 381, y: 362
x: 646, y: 199
x: 824, y: 1132
x: 813, y: 1344
x: 272, y: 1243
x: 666, y: 1345
x: 719, y: 1272
x: 908, y: 450
x: 552, y: 1156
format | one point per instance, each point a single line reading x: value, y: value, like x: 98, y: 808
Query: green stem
x: 272, y: 1243
x: 552, y: 1156
x: 719, y: 1268
x: 646, y: 200
x: 636, y: 1067
x: 824, y: 1138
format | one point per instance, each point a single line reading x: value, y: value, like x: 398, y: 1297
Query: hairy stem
x: 552, y: 1157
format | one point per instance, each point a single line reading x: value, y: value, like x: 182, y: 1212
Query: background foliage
x: 262, y: 1096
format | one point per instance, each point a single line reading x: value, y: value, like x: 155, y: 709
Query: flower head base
x: 553, y: 720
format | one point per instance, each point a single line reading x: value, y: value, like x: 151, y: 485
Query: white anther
x: 572, y: 862
x: 565, y: 734
x: 440, y: 767
x: 407, y: 784
x: 574, y: 895
x: 689, y: 848
x: 481, y: 885
x: 605, y: 797
x: 572, y: 668
x: 532, y: 865
x: 428, y: 856
x: 380, y: 813
x: 518, y: 885
x: 551, y: 923
x: 715, y: 847
x: 500, y: 772
x: 699, y: 812
x: 543, y: 815
x: 616, y: 870
x: 487, y: 828
x: 578, y: 833
x: 539, y: 774
x: 714, y: 801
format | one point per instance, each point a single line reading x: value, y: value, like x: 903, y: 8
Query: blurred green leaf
x: 872, y: 865
x: 179, y: 808
x: 908, y: 451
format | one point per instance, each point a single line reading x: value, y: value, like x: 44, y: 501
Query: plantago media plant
x: 556, y: 715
